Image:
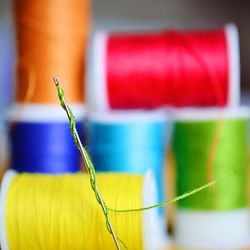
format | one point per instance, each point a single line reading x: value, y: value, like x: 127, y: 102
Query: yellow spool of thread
x: 60, y: 212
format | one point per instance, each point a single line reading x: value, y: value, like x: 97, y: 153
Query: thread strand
x: 180, y: 197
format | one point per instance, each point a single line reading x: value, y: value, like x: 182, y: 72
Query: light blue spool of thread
x: 41, y: 140
x: 129, y: 141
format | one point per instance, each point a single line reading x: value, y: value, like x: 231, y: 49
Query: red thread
x: 174, y: 68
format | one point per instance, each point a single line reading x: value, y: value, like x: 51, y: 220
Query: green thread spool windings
x: 212, y: 143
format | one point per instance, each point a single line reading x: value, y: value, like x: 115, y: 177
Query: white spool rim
x: 43, y: 113
x: 128, y: 116
x: 154, y: 235
x: 207, y: 114
x: 96, y: 80
x: 7, y: 178
x: 232, y: 38
x: 203, y: 230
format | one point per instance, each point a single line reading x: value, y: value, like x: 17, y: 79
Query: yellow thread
x: 56, y: 212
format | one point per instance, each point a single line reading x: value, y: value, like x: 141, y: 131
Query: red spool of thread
x: 165, y: 68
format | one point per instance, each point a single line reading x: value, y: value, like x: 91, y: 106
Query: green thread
x: 92, y: 173
x: 180, y: 197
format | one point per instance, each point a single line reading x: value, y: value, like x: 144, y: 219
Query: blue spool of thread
x: 129, y: 141
x: 41, y: 141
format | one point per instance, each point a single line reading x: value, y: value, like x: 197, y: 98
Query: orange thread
x: 51, y: 40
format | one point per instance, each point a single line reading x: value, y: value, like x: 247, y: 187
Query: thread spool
x: 164, y: 68
x: 77, y: 221
x: 41, y: 141
x: 51, y: 39
x: 136, y: 140
x: 217, y: 218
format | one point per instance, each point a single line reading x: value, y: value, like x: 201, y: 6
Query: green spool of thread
x: 192, y: 146
x: 211, y: 144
